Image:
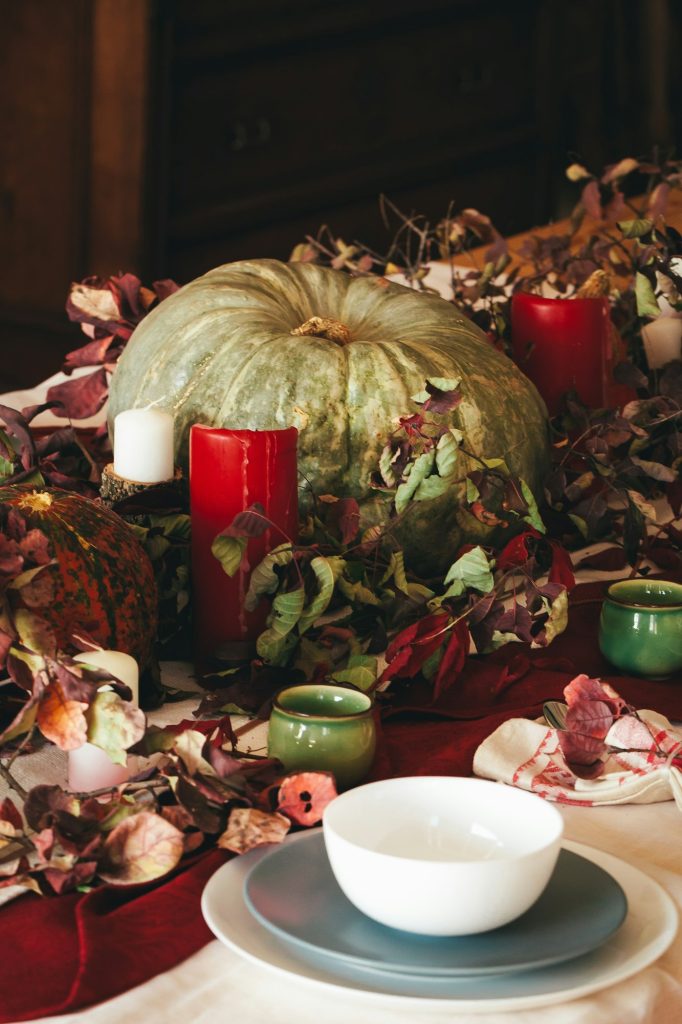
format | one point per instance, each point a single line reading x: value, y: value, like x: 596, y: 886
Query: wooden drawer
x: 286, y: 116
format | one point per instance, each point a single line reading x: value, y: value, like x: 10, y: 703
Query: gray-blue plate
x: 293, y: 893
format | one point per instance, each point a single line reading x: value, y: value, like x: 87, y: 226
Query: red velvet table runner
x: 62, y: 954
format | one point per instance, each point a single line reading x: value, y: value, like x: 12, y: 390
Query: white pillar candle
x: 662, y: 341
x: 89, y: 766
x: 143, y: 445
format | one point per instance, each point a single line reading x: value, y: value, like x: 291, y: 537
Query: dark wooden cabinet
x: 168, y: 136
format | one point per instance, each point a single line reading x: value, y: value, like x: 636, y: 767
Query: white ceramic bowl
x: 439, y: 855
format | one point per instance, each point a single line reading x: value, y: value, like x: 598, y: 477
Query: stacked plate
x: 598, y: 922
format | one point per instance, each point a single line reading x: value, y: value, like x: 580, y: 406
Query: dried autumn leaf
x: 82, y: 397
x: 93, y: 303
x: 303, y: 796
x: 248, y: 828
x: 62, y: 721
x: 140, y: 849
x: 114, y: 725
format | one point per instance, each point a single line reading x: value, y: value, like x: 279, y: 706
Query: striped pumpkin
x: 104, y: 582
x: 264, y: 345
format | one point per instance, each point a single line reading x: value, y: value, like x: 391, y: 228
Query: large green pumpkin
x: 239, y: 348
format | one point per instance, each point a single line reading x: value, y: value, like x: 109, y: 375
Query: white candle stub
x: 662, y: 341
x: 143, y: 445
x: 90, y: 767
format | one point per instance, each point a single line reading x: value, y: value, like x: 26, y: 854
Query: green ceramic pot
x: 315, y: 727
x: 640, y: 630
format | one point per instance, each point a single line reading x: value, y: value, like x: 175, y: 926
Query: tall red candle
x: 563, y: 345
x: 230, y: 470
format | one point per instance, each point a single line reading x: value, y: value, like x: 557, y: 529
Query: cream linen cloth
x: 528, y: 755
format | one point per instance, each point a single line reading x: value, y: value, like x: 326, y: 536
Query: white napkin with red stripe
x: 643, y: 767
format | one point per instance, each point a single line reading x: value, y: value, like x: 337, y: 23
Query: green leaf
x: 386, y: 467
x: 580, y: 524
x: 6, y: 468
x: 229, y: 551
x: 396, y: 572
x: 27, y: 576
x: 418, y: 592
x: 114, y: 725
x: 264, y: 579
x: 497, y: 464
x: 286, y: 611
x: 473, y: 569
x: 558, y: 617
x: 445, y: 383
x: 473, y: 493
x: 447, y: 451
x: 177, y: 527
x: 432, y: 663
x: 35, y: 633
x: 635, y: 228
x: 418, y: 471
x: 646, y: 297
x: 500, y: 640
x: 432, y: 487
x: 274, y: 649
x: 533, y: 515
x: 643, y: 506
x: 357, y: 592
x: 361, y: 671
x: 656, y: 470
x: 455, y: 590
x: 324, y: 574
x: 156, y: 547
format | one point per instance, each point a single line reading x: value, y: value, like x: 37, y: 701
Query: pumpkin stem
x: 35, y: 501
x: 324, y: 327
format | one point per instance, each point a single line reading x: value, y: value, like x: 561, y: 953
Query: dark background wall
x: 168, y: 136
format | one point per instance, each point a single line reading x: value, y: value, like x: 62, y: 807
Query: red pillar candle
x: 228, y: 471
x: 563, y: 345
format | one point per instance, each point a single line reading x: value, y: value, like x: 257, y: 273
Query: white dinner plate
x: 648, y: 930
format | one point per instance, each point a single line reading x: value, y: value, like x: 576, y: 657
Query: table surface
x: 217, y: 983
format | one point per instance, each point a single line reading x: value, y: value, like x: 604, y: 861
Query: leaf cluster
x: 344, y: 606
x: 600, y: 726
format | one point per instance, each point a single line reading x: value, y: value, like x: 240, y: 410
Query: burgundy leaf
x: 441, y: 401
x: 591, y: 200
x: 82, y: 397
x: 591, y: 718
x: 35, y: 547
x: 66, y: 881
x: 252, y: 522
x: 561, y: 570
x: 408, y: 651
x: 518, y: 667
x: 517, y: 620
x: 9, y: 813
x: 582, y: 688
x: 453, y: 660
x: 93, y: 354
x: 583, y: 755
x: 165, y: 288
x: 11, y: 558
x: 518, y: 550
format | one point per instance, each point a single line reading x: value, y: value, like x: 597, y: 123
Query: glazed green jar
x: 640, y: 630
x: 316, y: 727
